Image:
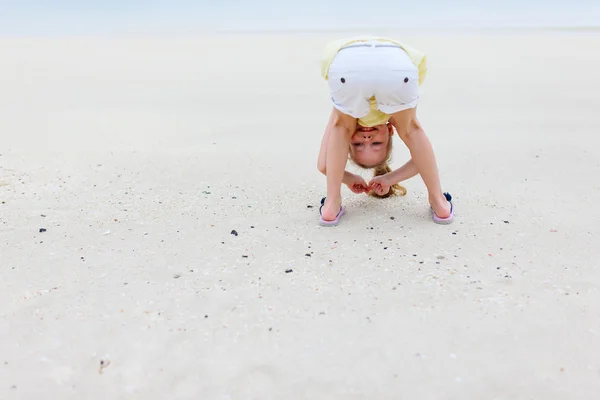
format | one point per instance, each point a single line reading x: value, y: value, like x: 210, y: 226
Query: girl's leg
x: 412, y: 134
x: 342, y: 128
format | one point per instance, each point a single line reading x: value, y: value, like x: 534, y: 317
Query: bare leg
x: 412, y: 134
x: 342, y: 128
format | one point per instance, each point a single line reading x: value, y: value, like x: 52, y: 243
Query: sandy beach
x: 176, y: 182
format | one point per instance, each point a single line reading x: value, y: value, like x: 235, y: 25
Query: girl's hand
x: 380, y: 185
x: 357, y: 184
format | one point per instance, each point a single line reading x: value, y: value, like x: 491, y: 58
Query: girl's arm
x: 403, y: 173
x: 322, y: 161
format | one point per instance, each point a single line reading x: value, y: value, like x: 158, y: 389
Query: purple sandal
x: 336, y: 221
x: 444, y: 221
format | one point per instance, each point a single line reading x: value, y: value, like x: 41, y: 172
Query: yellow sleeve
x: 422, y: 70
x: 329, y: 53
x: 419, y: 59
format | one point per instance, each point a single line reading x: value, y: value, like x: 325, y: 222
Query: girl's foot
x: 331, y: 208
x: 441, y: 206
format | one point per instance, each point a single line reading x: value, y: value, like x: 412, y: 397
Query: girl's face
x: 369, y: 146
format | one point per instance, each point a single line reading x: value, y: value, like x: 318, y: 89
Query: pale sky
x: 50, y: 17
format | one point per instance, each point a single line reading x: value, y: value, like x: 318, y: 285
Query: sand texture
x: 139, y: 157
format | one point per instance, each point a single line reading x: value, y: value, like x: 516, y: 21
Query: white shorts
x: 363, y: 70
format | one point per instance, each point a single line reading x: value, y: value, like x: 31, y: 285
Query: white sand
x: 143, y: 155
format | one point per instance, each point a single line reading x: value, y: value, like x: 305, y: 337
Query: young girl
x: 374, y: 87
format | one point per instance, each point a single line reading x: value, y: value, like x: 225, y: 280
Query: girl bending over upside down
x: 374, y: 88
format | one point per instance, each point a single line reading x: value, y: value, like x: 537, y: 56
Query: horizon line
x: 490, y: 29
x: 582, y: 28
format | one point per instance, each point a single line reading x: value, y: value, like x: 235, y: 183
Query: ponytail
x: 395, y: 189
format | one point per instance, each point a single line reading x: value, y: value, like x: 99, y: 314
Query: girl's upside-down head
x: 371, y: 148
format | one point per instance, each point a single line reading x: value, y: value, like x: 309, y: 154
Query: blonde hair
x: 382, y: 169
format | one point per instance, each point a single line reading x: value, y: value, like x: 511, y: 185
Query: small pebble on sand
x: 234, y: 232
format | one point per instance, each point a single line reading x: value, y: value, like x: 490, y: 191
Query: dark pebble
x: 177, y: 276
x: 309, y: 206
x: 43, y: 216
x: 392, y: 218
x: 454, y: 233
x: 287, y: 271
x: 234, y: 232
x: 206, y: 316
x: 251, y: 226
x: 506, y: 222
x: 307, y: 254
x: 244, y: 256
x: 42, y: 230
